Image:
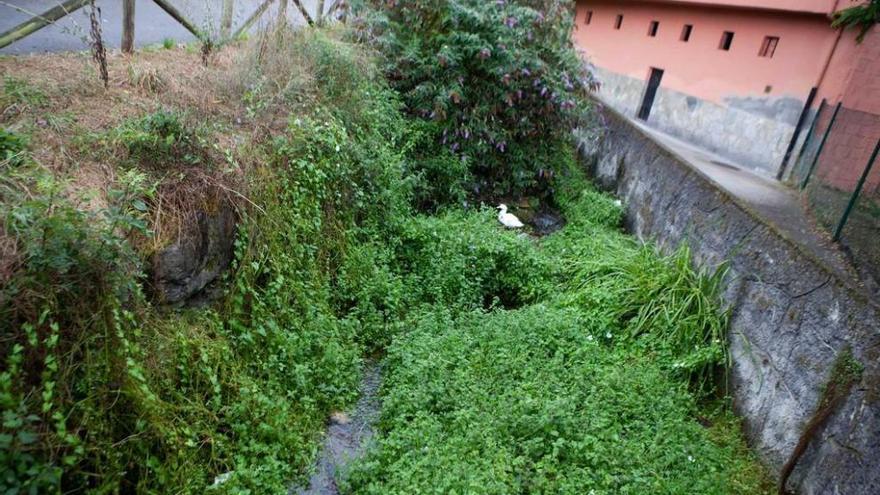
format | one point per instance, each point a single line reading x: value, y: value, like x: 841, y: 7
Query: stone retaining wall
x: 791, y: 317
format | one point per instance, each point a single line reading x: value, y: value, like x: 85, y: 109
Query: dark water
x: 348, y: 436
x: 546, y: 222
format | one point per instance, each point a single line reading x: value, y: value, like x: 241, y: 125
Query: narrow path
x: 777, y: 204
x: 348, y: 436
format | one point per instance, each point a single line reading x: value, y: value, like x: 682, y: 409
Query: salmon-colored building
x: 733, y: 76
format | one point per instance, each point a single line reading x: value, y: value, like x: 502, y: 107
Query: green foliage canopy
x: 500, y: 80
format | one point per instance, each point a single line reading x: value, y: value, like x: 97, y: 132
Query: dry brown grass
x: 76, y: 108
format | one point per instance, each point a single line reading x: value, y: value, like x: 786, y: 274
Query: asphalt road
x: 152, y: 24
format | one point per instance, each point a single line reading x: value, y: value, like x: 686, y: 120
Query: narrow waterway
x: 348, y: 436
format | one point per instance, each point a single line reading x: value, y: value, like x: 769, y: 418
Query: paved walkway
x: 777, y: 204
x: 152, y: 24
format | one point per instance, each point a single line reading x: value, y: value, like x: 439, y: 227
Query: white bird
x: 509, y: 220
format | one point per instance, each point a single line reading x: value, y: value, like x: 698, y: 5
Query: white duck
x: 509, y: 220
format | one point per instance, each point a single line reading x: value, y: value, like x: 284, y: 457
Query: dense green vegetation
x: 577, y: 369
x: 497, y: 84
x: 102, y: 391
x: 577, y: 363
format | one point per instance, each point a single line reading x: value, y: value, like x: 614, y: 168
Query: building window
x: 726, y: 40
x: 618, y: 22
x: 686, y: 32
x: 589, y: 17
x: 652, y: 29
x: 768, y: 47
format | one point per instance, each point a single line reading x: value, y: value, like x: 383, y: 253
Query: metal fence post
x: 797, y: 133
x: 856, y: 193
x: 821, y: 145
x: 810, y: 134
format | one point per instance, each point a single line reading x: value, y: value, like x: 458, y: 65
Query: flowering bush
x: 501, y: 78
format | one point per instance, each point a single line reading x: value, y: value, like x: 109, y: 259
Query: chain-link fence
x: 839, y: 173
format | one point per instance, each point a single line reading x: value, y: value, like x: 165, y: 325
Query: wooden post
x: 127, y: 26
x: 173, y: 12
x: 36, y: 23
x: 252, y: 19
x: 304, y: 12
x: 226, y: 19
x: 282, y: 12
x: 320, y: 13
x: 336, y: 5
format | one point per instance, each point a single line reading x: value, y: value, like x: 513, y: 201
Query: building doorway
x: 650, y: 93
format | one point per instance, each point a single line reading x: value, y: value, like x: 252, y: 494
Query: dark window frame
x: 589, y: 17
x: 768, y: 46
x: 618, y: 22
x: 686, y: 32
x: 726, y: 41
x: 653, y: 27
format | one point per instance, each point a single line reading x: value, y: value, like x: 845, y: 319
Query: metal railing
x: 838, y: 174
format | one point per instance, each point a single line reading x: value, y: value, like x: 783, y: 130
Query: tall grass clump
x: 12, y: 148
x: 160, y: 140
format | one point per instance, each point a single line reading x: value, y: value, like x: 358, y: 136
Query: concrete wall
x: 698, y: 67
x: 791, y: 317
x: 811, y: 6
x: 745, y: 137
x: 736, y: 103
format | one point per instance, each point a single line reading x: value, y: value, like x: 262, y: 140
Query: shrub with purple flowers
x: 501, y: 79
